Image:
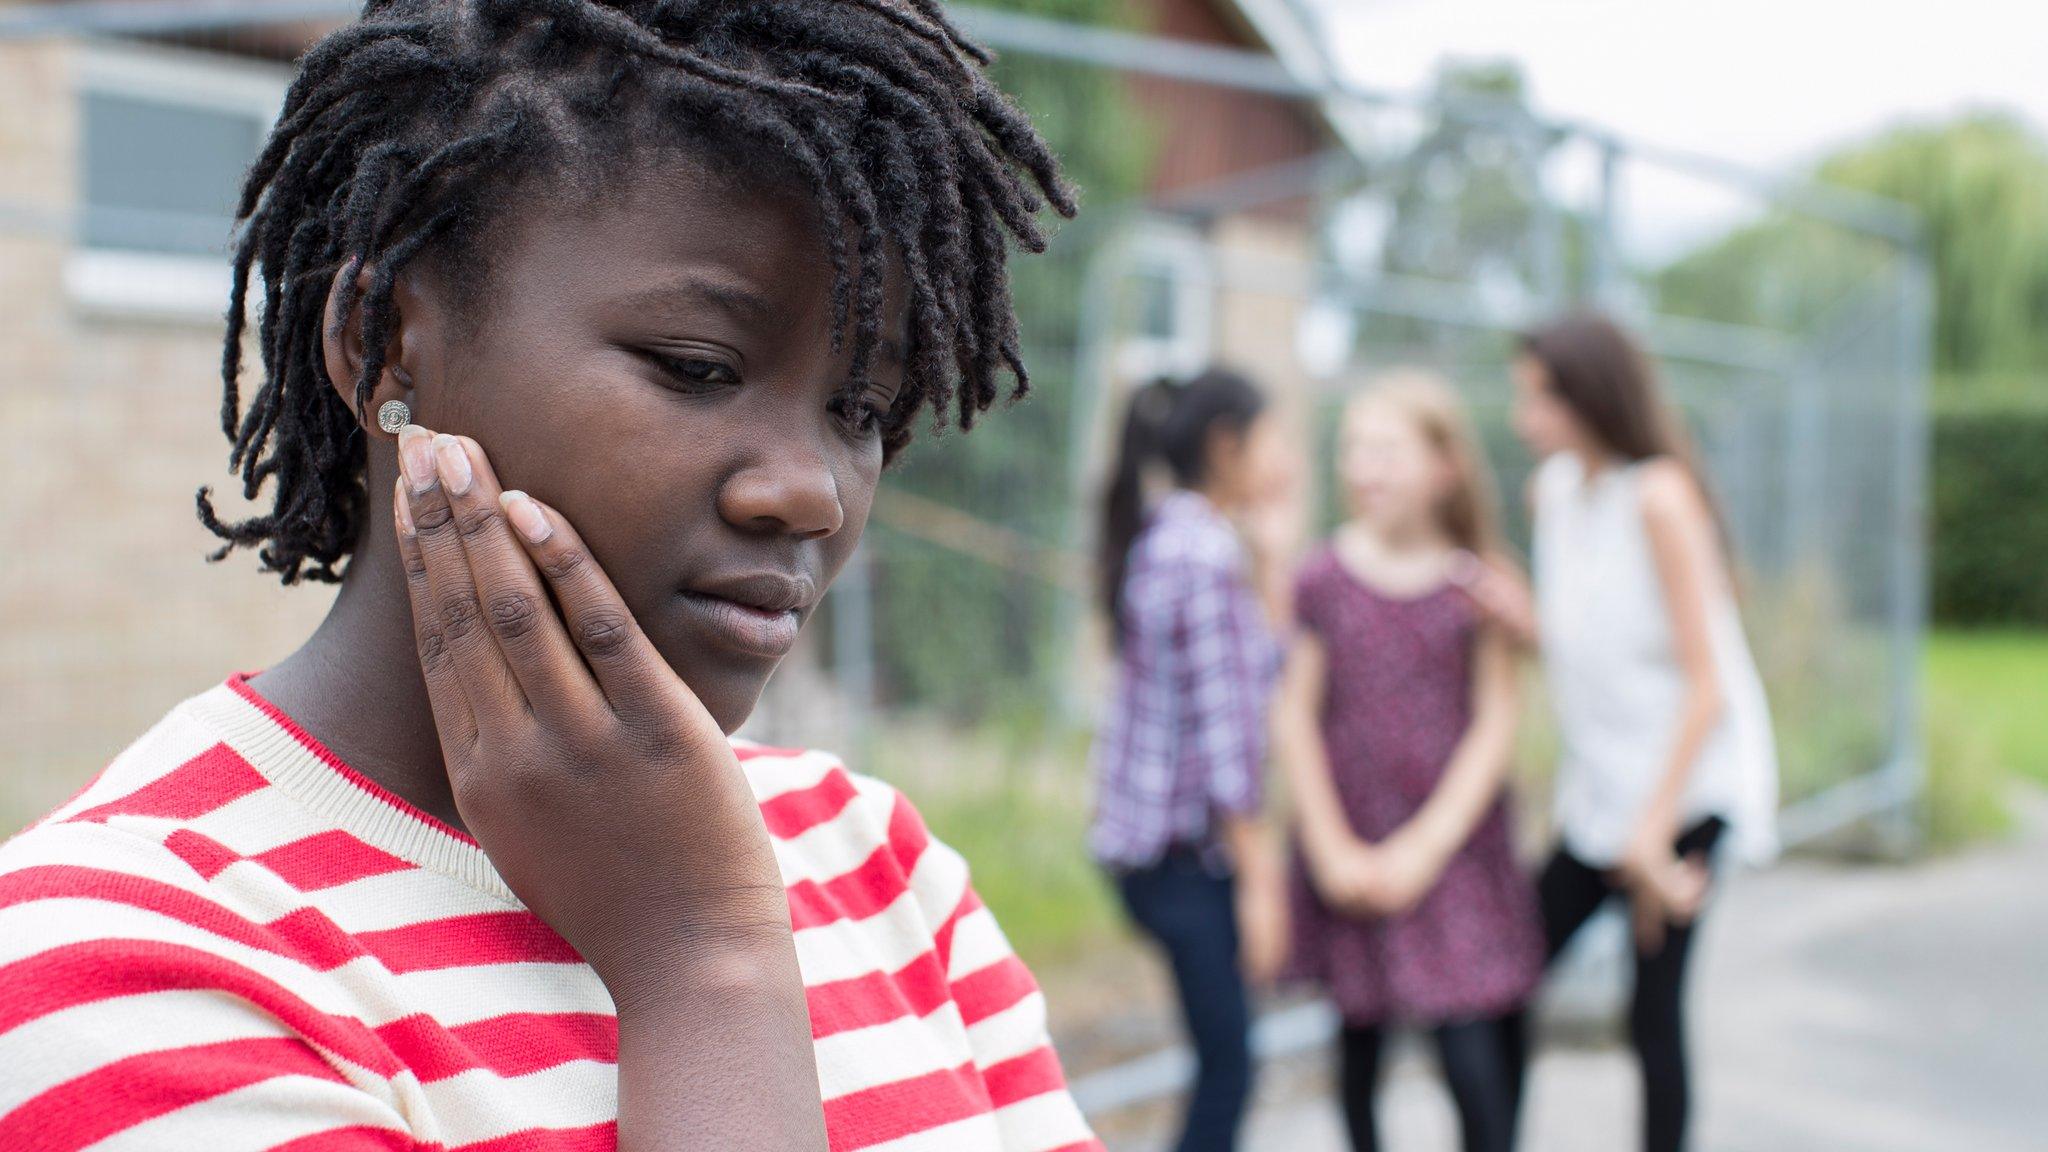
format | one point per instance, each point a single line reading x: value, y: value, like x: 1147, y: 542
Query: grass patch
x: 1014, y: 801
x: 1964, y: 800
x: 1031, y: 867
x: 1993, y: 683
x: 1985, y: 727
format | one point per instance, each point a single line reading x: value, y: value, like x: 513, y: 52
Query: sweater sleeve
x: 998, y: 999
x: 1006, y: 1026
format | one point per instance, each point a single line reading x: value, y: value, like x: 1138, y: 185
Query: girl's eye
x: 863, y: 417
x: 696, y: 373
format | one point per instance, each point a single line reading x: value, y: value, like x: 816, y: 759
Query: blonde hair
x: 1470, y: 514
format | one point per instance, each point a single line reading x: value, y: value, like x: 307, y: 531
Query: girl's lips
x: 743, y: 627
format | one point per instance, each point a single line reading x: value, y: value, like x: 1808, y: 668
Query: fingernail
x: 454, y: 463
x: 416, y: 457
x: 526, y: 517
x: 401, y: 508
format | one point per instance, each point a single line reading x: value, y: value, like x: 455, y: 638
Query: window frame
x: 122, y: 282
x: 1174, y: 253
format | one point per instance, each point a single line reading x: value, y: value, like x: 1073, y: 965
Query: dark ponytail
x: 1168, y: 423
x: 1123, y: 503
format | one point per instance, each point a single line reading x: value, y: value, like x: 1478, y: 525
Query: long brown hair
x: 1603, y: 375
x: 1470, y: 514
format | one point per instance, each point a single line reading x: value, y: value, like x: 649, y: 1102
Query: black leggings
x: 1482, y: 1063
x: 1570, y: 892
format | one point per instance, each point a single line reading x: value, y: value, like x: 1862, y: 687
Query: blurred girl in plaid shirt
x: 1195, y: 584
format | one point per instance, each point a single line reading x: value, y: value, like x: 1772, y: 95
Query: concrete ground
x: 1850, y: 1008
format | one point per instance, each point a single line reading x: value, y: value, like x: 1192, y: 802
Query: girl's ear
x: 342, y: 350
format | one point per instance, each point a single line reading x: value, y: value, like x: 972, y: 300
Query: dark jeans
x: 1570, y: 892
x: 1192, y: 914
x: 1482, y: 1064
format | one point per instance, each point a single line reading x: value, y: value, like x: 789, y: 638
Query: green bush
x: 1989, y: 560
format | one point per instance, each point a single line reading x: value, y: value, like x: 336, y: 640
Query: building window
x: 1168, y: 297
x: 165, y: 138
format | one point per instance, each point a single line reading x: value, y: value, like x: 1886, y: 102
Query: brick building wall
x: 108, y: 611
x: 1209, y: 133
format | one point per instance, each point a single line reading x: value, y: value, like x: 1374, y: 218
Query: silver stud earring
x: 393, y: 415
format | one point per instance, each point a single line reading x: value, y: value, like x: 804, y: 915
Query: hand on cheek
x: 608, y: 799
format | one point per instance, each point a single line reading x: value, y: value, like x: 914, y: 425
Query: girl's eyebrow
x: 696, y: 289
x: 689, y: 290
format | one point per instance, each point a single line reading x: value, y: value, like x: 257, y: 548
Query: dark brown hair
x: 1603, y: 375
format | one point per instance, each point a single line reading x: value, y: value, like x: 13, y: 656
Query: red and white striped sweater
x: 231, y: 941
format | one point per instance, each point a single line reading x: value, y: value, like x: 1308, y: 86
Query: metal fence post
x: 1547, y: 230
x: 1908, y: 769
x: 1603, y: 270
x: 853, y: 651
x: 1094, y: 400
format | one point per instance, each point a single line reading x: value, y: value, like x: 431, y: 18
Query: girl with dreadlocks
x: 586, y: 330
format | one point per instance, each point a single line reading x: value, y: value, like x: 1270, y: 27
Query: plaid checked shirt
x: 1185, y: 737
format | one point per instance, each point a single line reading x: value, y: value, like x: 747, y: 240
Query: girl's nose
x: 787, y: 488
x: 791, y: 490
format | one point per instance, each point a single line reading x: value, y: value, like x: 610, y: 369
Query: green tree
x: 1459, y: 202
x: 1980, y: 184
x: 1465, y: 196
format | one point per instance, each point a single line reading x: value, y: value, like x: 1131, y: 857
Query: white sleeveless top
x: 1615, y: 680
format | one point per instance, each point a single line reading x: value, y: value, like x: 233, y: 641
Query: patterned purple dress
x: 1398, y: 699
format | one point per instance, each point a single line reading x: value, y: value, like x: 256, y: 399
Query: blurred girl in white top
x: 1664, y: 732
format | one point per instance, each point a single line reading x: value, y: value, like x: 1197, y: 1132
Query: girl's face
x: 1394, y: 478
x: 1252, y: 465
x: 658, y: 367
x: 1545, y: 424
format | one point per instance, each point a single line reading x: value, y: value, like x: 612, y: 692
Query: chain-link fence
x: 1315, y: 235
x: 1240, y: 205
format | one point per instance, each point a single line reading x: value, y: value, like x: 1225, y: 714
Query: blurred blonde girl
x: 1396, y: 721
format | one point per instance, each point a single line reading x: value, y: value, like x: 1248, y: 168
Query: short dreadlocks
x: 405, y: 133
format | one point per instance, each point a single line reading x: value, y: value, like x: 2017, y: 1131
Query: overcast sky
x: 1772, y: 83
